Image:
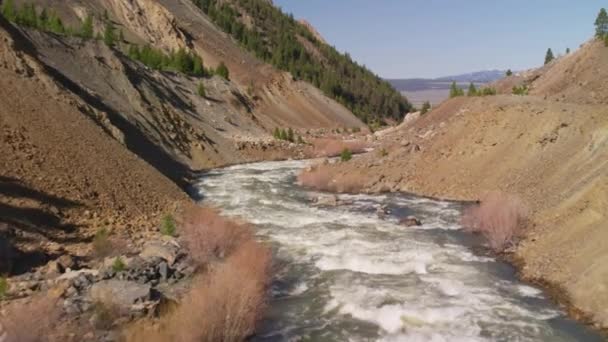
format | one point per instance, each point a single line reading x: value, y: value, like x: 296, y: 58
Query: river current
x: 345, y: 274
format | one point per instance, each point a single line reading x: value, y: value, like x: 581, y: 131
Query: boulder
x: 120, y: 293
x: 410, y: 221
x: 166, y: 250
x: 328, y: 200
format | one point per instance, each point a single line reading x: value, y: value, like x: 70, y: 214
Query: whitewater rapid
x: 345, y: 274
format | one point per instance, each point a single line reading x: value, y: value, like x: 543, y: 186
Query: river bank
x: 468, y: 147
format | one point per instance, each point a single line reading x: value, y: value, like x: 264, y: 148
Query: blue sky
x: 429, y: 38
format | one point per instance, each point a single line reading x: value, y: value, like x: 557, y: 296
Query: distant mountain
x: 418, y: 84
x: 485, y: 76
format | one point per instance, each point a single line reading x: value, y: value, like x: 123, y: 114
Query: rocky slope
x: 549, y: 148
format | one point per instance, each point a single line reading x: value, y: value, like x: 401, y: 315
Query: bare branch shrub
x: 31, y: 321
x: 500, y: 218
x: 209, y: 236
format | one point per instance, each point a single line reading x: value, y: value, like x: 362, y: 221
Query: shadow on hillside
x: 26, y: 215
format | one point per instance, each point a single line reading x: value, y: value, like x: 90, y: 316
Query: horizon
x: 495, y: 43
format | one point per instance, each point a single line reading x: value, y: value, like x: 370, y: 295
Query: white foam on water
x: 373, y: 270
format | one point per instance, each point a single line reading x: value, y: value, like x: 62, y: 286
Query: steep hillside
x: 290, y: 45
x: 62, y: 176
x: 550, y: 149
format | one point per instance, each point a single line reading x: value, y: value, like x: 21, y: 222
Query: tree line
x: 276, y: 39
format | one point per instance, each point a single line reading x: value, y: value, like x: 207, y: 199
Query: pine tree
x: 8, y: 10
x: 455, y: 91
x: 472, y: 90
x: 86, y: 31
x: 277, y: 133
x: 201, y: 90
x: 509, y: 73
x: 601, y: 24
x: 121, y: 36
x: 290, y: 135
x: 567, y: 51
x: 197, y: 68
x: 426, y: 106
x: 222, y: 71
x: 549, y: 56
x: 109, y: 36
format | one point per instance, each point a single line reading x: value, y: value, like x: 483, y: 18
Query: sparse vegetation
x: 549, y: 56
x: 520, y: 90
x: 168, y: 226
x: 346, y: 155
x: 109, y: 36
x: 601, y: 24
x: 472, y: 90
x: 27, y: 16
x: 118, y: 265
x: 102, y: 246
x: 180, y: 61
x: 277, y: 39
x: 201, y: 90
x: 500, y: 218
x: 3, y: 287
x: 455, y: 90
x: 426, y: 106
x: 30, y: 321
x: 486, y: 91
x: 222, y: 71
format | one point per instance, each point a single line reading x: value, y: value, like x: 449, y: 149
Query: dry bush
x: 323, y: 178
x: 323, y: 147
x: 499, y: 217
x: 224, y: 305
x: 209, y: 236
x: 30, y: 322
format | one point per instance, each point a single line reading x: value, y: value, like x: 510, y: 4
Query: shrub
x: 487, y: 91
x: 167, y: 226
x: 383, y: 152
x: 201, y: 90
x: 222, y: 71
x: 209, y: 236
x: 228, y: 301
x: 324, y: 178
x: 3, y: 287
x: 499, y: 218
x: 300, y: 140
x: 426, y: 106
x: 118, y: 265
x: 346, y: 155
x: 102, y: 246
x: 521, y: 90
x: 356, y: 129
x: 30, y: 321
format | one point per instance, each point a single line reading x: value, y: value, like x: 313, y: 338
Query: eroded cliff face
x: 549, y: 148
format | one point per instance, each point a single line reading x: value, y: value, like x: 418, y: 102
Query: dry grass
x: 499, y: 217
x: 323, y: 177
x: 209, y: 236
x: 30, y: 322
x: 323, y: 147
x: 226, y: 303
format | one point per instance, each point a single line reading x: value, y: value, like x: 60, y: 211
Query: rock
x: 163, y: 270
x: 122, y: 294
x: 64, y: 262
x: 410, y: 221
x: 328, y: 200
x: 69, y: 274
x: 405, y: 143
x: 157, y: 249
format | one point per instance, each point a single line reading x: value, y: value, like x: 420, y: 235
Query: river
x: 345, y: 274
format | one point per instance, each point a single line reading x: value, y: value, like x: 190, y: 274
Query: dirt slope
x: 59, y: 168
x: 551, y: 149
